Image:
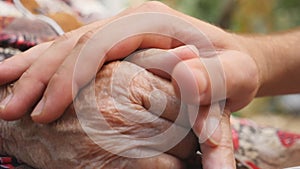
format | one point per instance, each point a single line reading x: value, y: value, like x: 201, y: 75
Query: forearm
x: 278, y: 60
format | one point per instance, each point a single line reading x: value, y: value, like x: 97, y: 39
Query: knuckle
x: 62, y: 76
x: 34, y: 79
x: 59, y: 74
x: 149, y: 6
x: 60, y: 39
x: 66, y: 36
x: 85, y: 37
x: 56, y: 80
x: 153, y: 5
x: 226, y: 114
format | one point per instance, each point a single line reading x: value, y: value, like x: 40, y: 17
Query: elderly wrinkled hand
x: 127, y: 135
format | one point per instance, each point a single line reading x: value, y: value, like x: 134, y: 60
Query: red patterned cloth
x: 8, y: 162
x: 258, y: 147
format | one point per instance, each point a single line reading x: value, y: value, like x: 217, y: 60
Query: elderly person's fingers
x: 221, y: 155
x: 145, y: 103
x: 121, y: 129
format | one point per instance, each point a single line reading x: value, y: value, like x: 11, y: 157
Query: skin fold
x: 65, y: 144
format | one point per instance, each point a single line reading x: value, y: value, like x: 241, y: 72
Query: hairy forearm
x: 278, y: 60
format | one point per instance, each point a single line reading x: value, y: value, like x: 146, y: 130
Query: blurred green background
x: 261, y: 16
x: 252, y: 16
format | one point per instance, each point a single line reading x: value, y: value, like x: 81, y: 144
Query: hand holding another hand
x: 50, y: 76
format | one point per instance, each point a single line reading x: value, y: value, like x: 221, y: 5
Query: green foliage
x: 243, y: 15
x: 208, y: 10
x: 287, y: 13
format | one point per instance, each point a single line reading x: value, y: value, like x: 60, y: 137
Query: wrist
x: 250, y: 45
x: 277, y: 61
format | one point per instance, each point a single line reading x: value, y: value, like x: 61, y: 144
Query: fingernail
x: 213, y: 125
x: 211, y: 132
x: 5, y: 101
x: 38, y: 108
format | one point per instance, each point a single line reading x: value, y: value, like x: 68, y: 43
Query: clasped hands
x: 46, y: 72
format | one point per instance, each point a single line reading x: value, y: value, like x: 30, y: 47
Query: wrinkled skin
x: 64, y: 144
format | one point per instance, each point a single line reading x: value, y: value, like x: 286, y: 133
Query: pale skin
x: 253, y: 66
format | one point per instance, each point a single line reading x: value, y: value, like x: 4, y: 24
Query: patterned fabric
x: 18, y: 41
x: 19, y: 33
x: 8, y: 162
x: 260, y: 147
